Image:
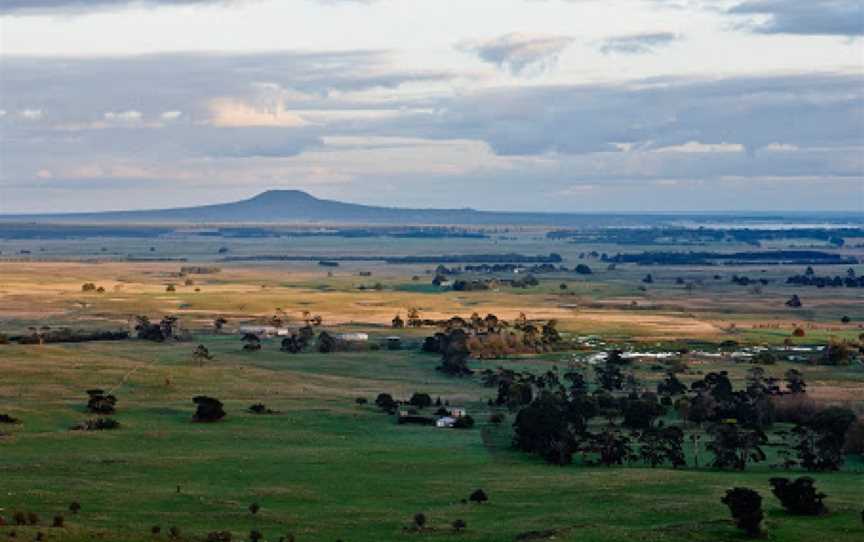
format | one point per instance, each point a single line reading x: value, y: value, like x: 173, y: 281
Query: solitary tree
x: 201, y: 354
x: 745, y: 506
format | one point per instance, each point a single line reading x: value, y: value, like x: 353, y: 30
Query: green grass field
x: 326, y: 469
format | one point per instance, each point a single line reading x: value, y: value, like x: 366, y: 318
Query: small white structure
x: 265, y: 331
x: 458, y: 412
x: 353, y: 337
x: 446, y: 422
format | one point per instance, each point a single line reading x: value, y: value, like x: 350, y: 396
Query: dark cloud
x: 806, y: 17
x: 637, y: 43
x: 823, y: 110
x: 517, y: 52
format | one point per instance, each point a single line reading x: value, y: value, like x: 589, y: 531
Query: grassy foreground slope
x: 326, y: 469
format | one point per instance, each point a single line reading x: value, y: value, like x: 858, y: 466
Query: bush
x: 479, y: 496
x: 174, y: 532
x: 459, y: 525
x: 32, y: 518
x: 58, y: 521
x: 219, y: 536
x: 421, y: 400
x: 261, y: 408
x: 361, y: 400
x: 799, y: 497
x: 745, y: 505
x: 255, y: 536
x: 100, y: 402
x: 74, y: 507
x: 7, y: 419
x: 97, y: 424
x: 209, y: 409
x: 254, y: 508
x: 155, y: 530
x: 419, y: 520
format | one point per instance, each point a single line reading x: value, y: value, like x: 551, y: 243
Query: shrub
x: 97, y: 424
x: 32, y: 518
x: 174, y: 532
x: 419, y: 520
x: 261, y: 408
x: 420, y: 400
x: 745, y: 505
x: 459, y: 525
x: 479, y: 496
x: 58, y: 521
x: 361, y: 400
x: 7, y: 419
x: 219, y: 536
x: 208, y: 410
x: 74, y: 507
x: 255, y: 536
x: 799, y: 497
x: 155, y: 530
x: 385, y: 401
x: 254, y: 508
x: 100, y: 402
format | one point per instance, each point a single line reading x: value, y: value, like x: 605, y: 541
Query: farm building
x: 265, y: 331
x: 353, y: 337
x: 445, y: 422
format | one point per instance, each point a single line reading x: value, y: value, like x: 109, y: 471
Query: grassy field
x: 326, y: 468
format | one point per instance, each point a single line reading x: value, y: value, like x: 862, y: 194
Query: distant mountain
x: 298, y: 207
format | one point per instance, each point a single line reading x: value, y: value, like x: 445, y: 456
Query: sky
x: 534, y: 105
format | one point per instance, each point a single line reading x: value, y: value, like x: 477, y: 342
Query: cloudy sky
x: 555, y: 105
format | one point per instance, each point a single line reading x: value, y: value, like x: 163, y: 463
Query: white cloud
x: 131, y: 116
x: 517, y: 52
x: 31, y: 114
x: 230, y: 112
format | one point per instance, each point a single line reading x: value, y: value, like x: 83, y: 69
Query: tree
x: 454, y: 353
x: 101, y: 402
x: 609, y: 376
x: 795, y: 381
x: 799, y: 497
x: 734, y: 447
x: 386, y: 402
x: 398, y: 322
x: 794, y: 302
x: 662, y: 445
x: 821, y: 439
x: 419, y: 521
x: 208, y: 409
x: 671, y: 386
x: 251, y: 342
x: 478, y: 496
x: 326, y: 343
x: 640, y: 414
x: 745, y: 505
x: 459, y: 525
x: 201, y: 354
x: 414, y: 319
x: 613, y: 447
x: 421, y: 400
x: 219, y: 323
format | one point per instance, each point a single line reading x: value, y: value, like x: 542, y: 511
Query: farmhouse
x: 265, y: 331
x: 353, y: 337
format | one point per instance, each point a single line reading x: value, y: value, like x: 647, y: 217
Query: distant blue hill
x: 298, y: 207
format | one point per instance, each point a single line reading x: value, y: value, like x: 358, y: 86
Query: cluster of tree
x: 809, y: 278
x: 90, y: 287
x: 48, y: 335
x: 490, y: 337
x: 701, y: 235
x: 168, y: 328
x: 747, y: 281
x: 477, y: 258
x: 798, y: 497
x: 299, y: 340
x: 768, y: 257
